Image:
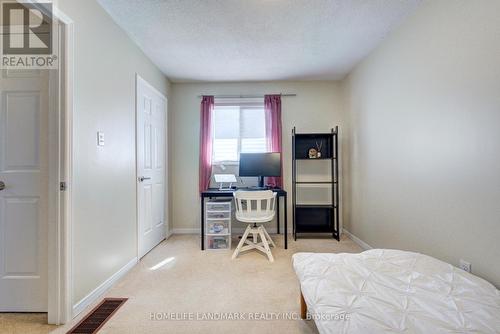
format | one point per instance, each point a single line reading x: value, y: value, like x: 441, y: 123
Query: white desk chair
x: 250, y: 209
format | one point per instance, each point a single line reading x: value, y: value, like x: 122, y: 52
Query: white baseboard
x: 101, y: 289
x: 271, y: 230
x: 357, y: 240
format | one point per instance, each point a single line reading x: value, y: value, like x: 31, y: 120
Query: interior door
x: 151, y: 166
x: 24, y: 190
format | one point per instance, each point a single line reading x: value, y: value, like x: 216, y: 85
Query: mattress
x: 392, y: 291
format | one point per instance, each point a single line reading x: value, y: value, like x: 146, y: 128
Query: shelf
x: 303, y: 142
x: 315, y: 182
x: 311, y: 217
x: 314, y: 135
x: 315, y: 206
x: 217, y: 234
x: 314, y: 219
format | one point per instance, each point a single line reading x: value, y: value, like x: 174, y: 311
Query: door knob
x: 142, y: 178
x: 2, y: 185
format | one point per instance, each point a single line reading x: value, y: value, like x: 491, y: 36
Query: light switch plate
x: 100, y: 138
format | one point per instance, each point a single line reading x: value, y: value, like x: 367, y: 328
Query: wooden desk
x: 229, y: 193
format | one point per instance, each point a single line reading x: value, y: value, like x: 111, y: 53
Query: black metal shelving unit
x: 316, y: 218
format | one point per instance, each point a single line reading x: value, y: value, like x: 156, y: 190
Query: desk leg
x: 285, y: 232
x: 278, y: 216
x: 202, y: 223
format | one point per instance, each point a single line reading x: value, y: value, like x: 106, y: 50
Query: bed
x: 392, y: 291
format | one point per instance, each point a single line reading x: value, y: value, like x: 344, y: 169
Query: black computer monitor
x: 260, y: 165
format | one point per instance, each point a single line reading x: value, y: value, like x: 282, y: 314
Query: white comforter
x: 391, y: 291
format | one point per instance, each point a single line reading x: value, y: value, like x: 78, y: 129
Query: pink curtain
x: 206, y: 113
x: 272, y: 106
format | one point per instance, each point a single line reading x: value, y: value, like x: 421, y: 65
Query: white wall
x: 316, y: 108
x: 104, y: 226
x: 425, y: 140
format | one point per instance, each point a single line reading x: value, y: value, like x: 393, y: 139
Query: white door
x: 24, y: 197
x: 151, y: 166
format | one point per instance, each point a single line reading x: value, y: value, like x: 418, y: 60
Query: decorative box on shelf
x: 218, y: 224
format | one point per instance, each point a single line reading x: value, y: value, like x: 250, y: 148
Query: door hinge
x: 63, y: 186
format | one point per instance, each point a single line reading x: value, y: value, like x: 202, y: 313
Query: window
x: 238, y: 129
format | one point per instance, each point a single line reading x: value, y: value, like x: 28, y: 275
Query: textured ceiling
x: 257, y: 40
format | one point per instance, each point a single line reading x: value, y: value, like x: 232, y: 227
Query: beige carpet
x: 176, y: 277
x: 24, y: 323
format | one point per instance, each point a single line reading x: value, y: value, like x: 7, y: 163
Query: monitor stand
x: 258, y: 188
x: 261, y: 185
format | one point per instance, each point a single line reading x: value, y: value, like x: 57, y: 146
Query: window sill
x: 226, y: 163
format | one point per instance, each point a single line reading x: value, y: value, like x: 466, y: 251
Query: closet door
x: 151, y: 166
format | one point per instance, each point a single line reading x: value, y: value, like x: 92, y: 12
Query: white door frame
x: 60, y: 227
x: 138, y: 79
x: 61, y: 170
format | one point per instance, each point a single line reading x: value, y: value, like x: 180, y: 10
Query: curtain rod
x: 243, y: 96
